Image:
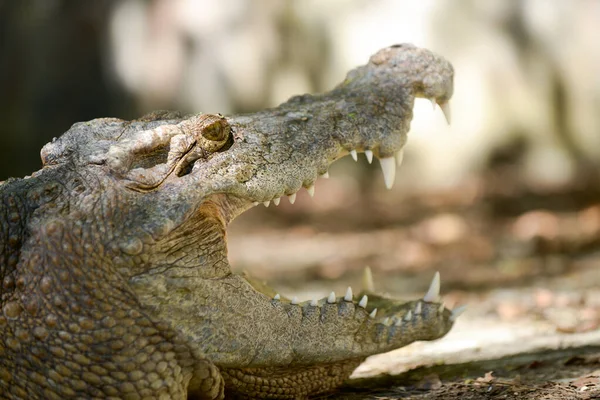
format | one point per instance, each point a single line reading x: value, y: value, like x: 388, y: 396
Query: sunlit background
x: 507, y: 196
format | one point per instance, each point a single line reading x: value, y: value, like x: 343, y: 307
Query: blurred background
x: 505, y: 202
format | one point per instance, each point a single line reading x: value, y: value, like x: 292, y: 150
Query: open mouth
x: 368, y: 298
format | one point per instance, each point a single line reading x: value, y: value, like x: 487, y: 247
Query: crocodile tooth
x: 367, y: 280
x: 441, y: 308
x: 276, y: 297
x: 433, y: 294
x: 292, y: 198
x: 433, y: 103
x: 457, y: 312
x: 363, y: 302
x: 388, y: 166
x: 369, y: 155
x: 325, y: 175
x: 446, y: 110
x: 266, y: 203
x: 276, y: 201
x: 418, y: 308
x: 408, y: 316
x: 398, y: 322
x: 373, y: 313
x: 348, y: 296
x: 386, y: 321
x: 399, y: 157
x: 354, y: 155
x: 255, y: 203
x: 311, y: 190
x: 331, y: 298
x: 294, y: 300
x: 314, y: 302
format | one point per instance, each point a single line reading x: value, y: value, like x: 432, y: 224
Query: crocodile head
x: 122, y: 255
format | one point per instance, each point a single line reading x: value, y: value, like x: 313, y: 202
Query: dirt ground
x: 524, y: 258
x: 558, y: 374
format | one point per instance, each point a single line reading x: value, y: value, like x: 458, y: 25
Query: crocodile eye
x: 211, y: 131
x: 217, y: 130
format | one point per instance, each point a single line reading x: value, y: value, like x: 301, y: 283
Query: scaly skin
x: 114, y: 271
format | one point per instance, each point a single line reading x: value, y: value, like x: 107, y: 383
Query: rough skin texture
x: 114, y: 274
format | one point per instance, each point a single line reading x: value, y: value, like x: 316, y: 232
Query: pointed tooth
x: 388, y: 166
x: 325, y: 175
x: 276, y: 297
x: 386, y: 321
x: 348, y: 296
x: 354, y: 155
x: 373, y: 313
x: 398, y: 322
x: 294, y: 300
x: 266, y: 203
x: 276, y: 201
x: 363, y: 302
x: 441, y: 308
x: 399, y: 157
x: 418, y: 308
x: 457, y: 312
x: 314, y: 302
x: 446, y: 110
x: 433, y: 294
x: 367, y: 280
x: 331, y: 298
x: 255, y: 203
x: 311, y: 190
x: 292, y: 198
x: 408, y: 316
x: 369, y: 155
x: 433, y: 103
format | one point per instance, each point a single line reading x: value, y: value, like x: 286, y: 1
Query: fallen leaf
x: 487, y: 378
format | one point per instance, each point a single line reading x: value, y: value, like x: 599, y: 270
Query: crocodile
x: 114, y: 275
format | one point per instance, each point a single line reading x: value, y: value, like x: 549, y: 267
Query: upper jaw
x: 276, y: 152
x: 279, y: 151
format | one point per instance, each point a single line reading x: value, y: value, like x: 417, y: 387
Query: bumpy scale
x: 114, y: 278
